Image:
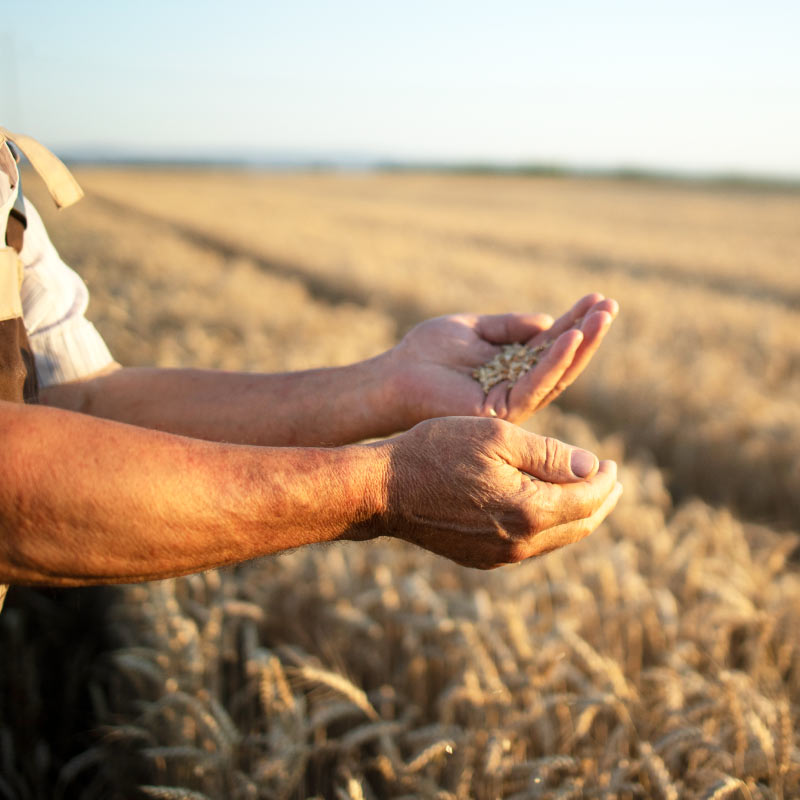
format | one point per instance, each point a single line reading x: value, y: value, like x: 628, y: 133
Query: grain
x: 510, y: 364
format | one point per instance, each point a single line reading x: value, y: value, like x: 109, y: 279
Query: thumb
x: 553, y: 461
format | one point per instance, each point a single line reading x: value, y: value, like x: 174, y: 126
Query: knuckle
x: 583, y: 529
x: 530, y: 515
x: 495, y: 430
x: 593, y: 502
x: 582, y: 513
x: 552, y: 450
x: 493, y: 426
x: 530, y: 519
x: 501, y: 428
x: 512, y: 552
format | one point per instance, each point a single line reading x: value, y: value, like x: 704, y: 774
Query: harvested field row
x: 159, y: 299
x: 749, y: 239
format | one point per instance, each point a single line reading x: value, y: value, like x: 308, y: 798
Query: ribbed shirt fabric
x: 66, y: 346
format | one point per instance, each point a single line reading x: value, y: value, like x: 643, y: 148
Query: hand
x: 485, y: 492
x: 435, y: 360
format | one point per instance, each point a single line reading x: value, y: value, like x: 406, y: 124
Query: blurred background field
x: 660, y: 658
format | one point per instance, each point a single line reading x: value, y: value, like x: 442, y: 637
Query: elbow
x: 79, y: 395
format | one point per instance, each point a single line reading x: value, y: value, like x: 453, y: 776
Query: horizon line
x: 346, y: 162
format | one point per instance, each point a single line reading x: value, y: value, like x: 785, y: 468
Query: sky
x: 694, y: 86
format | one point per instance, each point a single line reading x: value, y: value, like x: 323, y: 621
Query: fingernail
x: 582, y: 463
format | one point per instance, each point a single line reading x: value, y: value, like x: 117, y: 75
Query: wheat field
x: 660, y: 658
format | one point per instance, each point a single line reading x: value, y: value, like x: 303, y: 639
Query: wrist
x: 314, y: 495
x: 379, y: 385
x: 366, y: 469
x: 398, y: 393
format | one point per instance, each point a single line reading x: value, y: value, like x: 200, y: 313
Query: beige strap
x: 63, y: 188
x: 10, y: 302
x: 9, y: 166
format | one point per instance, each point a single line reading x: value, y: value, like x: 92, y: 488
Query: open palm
x: 436, y: 359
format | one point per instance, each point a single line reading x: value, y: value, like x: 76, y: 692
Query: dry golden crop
x: 659, y: 658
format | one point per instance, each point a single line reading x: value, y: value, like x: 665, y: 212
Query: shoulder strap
x: 62, y: 186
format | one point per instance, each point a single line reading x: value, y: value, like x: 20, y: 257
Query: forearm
x: 309, y: 408
x: 84, y: 500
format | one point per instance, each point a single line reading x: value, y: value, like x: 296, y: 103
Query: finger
x: 496, y: 402
x: 608, y: 304
x: 507, y: 328
x: 569, y: 532
x: 550, y: 505
x: 594, y: 329
x: 566, y: 321
x: 548, y: 459
x: 529, y: 392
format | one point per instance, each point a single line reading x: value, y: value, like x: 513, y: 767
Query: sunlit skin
x: 192, y: 469
x: 438, y: 358
x: 428, y: 374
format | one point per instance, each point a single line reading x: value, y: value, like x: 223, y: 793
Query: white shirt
x: 65, y: 345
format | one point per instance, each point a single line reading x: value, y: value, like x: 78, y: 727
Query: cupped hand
x: 484, y: 492
x: 434, y: 362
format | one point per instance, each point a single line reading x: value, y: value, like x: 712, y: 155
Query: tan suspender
x: 63, y: 188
